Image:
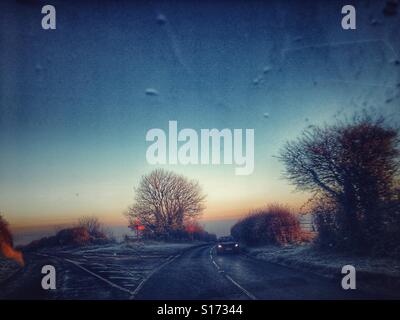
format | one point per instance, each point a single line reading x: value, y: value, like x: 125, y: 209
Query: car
x: 227, y: 245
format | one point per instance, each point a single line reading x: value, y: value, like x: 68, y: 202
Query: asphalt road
x: 200, y: 274
x: 196, y: 273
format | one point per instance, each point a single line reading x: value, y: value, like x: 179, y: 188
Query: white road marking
x: 136, y: 291
x: 99, y: 277
x: 131, y: 293
x: 246, y: 292
x: 215, y: 264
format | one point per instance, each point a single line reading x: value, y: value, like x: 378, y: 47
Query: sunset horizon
x: 207, y: 153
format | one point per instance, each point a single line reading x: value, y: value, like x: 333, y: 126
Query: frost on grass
x: 306, y: 256
x: 118, y: 249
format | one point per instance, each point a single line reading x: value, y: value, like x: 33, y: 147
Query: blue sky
x: 74, y: 113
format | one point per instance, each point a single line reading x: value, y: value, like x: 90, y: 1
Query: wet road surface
x: 200, y: 274
x: 196, y: 273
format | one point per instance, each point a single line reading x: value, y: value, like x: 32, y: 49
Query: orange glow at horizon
x: 215, y: 211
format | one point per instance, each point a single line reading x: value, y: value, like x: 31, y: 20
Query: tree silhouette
x: 355, y: 165
x: 92, y: 225
x: 164, y: 201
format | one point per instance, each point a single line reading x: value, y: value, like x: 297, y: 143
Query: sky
x: 74, y: 110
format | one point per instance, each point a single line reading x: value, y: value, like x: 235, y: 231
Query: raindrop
x: 266, y: 69
x: 161, y: 19
x: 374, y: 22
x: 38, y: 67
x: 151, y: 92
x: 266, y: 115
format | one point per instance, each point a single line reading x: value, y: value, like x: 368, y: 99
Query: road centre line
x: 246, y: 292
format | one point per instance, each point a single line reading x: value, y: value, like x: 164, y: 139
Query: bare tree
x: 92, y: 225
x: 327, y: 158
x: 164, y: 201
x: 354, y: 164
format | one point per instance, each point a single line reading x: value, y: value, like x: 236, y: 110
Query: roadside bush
x: 76, y: 236
x: 73, y: 236
x: 381, y: 238
x: 325, y: 213
x: 5, y: 234
x: 6, y: 243
x: 93, y: 226
x: 391, y: 245
x: 352, y: 168
x: 272, y: 225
